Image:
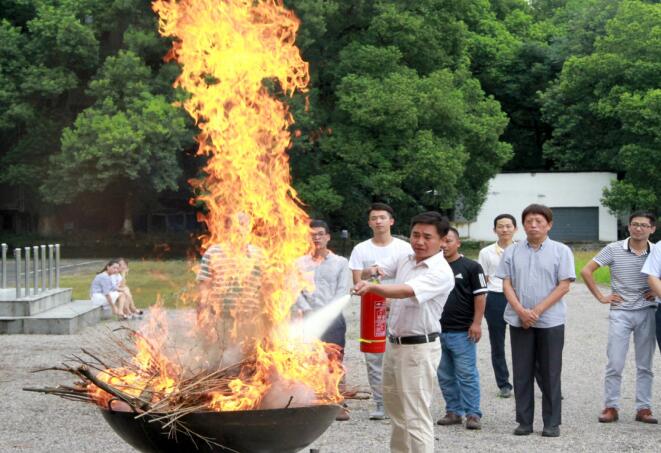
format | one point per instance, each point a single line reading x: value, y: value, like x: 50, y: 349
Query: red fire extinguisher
x: 373, y: 318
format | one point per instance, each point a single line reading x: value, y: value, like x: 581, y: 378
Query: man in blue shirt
x: 537, y: 273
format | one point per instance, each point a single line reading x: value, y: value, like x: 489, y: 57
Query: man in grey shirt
x: 536, y: 275
x: 330, y: 275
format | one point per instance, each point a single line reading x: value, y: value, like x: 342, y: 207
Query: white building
x: 578, y: 214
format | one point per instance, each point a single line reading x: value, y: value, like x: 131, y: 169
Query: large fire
x: 229, y: 51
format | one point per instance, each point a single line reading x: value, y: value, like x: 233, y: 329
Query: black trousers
x: 537, y: 350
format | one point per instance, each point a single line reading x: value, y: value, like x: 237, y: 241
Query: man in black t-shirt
x: 460, y: 331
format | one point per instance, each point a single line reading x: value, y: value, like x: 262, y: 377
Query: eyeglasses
x: 640, y: 225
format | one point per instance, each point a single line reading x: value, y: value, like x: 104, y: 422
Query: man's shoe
x: 343, y: 415
x: 609, y: 415
x: 450, y: 419
x: 522, y: 430
x: 505, y: 392
x: 379, y: 413
x: 473, y: 422
x: 551, y: 431
x: 645, y: 416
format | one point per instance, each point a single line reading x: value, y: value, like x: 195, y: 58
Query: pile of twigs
x: 192, y: 393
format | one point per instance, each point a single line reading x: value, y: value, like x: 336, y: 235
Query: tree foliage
x: 396, y: 113
x: 417, y: 104
x: 606, y: 108
x: 85, y: 101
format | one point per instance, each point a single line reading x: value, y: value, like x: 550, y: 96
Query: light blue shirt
x: 535, y: 273
x: 102, y: 284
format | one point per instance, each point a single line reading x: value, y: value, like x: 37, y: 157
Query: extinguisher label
x: 380, y: 320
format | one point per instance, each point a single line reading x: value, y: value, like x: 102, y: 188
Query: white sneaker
x: 379, y: 413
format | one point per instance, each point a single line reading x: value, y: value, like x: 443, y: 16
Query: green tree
x: 396, y: 114
x: 128, y: 138
x: 54, y: 62
x: 606, y: 112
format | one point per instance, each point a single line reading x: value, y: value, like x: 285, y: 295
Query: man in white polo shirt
x: 423, y: 282
x: 504, y: 225
x: 382, y: 245
x: 652, y: 269
x: 632, y: 311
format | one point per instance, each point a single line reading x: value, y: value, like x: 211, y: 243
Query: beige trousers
x: 409, y: 377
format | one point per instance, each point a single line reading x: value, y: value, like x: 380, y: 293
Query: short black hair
x: 432, y: 218
x: 504, y: 216
x: 537, y: 209
x: 651, y: 217
x: 455, y: 231
x: 381, y: 207
x: 315, y: 223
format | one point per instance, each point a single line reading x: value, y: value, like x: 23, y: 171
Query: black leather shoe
x: 522, y: 430
x: 551, y: 431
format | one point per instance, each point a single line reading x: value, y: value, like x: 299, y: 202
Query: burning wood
x: 236, y: 353
x: 108, y: 388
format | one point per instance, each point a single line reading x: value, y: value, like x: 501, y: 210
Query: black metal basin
x: 259, y: 431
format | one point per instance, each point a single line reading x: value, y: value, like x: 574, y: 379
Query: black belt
x: 415, y: 339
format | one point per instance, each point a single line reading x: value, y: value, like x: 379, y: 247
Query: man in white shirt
x: 380, y: 219
x: 422, y: 284
x: 504, y: 225
x: 652, y: 269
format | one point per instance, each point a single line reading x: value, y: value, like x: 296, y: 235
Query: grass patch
x: 581, y: 258
x: 148, y: 280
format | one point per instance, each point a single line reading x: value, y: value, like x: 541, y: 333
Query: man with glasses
x: 632, y: 311
x: 330, y: 274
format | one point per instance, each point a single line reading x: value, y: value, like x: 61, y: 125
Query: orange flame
x: 233, y: 54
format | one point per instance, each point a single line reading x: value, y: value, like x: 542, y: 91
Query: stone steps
x: 33, y: 304
x: 63, y: 319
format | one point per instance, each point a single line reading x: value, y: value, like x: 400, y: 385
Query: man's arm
x: 356, y: 275
x: 587, y: 274
x: 553, y: 297
x: 655, y: 284
x: 528, y: 317
x: 400, y: 291
x: 475, y: 330
x: 342, y: 285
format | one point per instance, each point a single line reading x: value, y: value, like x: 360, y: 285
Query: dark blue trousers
x: 494, y: 311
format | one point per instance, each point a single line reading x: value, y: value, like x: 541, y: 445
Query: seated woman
x: 104, y: 293
x: 119, y: 280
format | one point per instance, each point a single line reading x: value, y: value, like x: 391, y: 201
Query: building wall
x: 512, y: 192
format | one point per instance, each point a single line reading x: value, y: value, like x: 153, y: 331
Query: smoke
x: 315, y: 324
x: 287, y: 394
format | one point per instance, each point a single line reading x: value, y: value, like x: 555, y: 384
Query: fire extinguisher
x: 373, y: 319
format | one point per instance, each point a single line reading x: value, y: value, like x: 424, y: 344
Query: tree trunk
x: 127, y: 226
x: 47, y: 225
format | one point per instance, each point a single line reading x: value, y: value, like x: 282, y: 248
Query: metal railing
x: 43, y: 264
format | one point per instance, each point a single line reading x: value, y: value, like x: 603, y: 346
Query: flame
x: 234, y: 55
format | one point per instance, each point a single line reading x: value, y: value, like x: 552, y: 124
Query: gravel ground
x: 38, y: 423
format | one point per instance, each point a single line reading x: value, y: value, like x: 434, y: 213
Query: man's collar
x: 541, y: 246
x: 626, y: 246
x: 431, y: 260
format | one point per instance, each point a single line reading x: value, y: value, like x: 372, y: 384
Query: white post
x: 17, y: 262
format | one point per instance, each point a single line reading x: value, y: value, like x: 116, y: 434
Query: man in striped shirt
x: 632, y: 311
